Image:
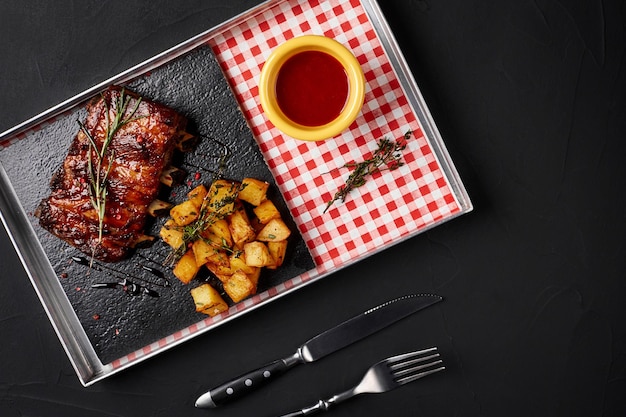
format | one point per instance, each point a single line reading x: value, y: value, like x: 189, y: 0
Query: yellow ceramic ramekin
x: 269, y: 75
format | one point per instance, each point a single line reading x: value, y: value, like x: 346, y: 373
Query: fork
x: 384, y: 376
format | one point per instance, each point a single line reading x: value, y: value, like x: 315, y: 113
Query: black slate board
x: 116, y: 322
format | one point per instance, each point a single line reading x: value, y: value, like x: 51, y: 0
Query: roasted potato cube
x: 222, y: 196
x: 277, y: 250
x: 186, y: 268
x: 253, y: 191
x: 274, y: 231
x: 220, y: 229
x: 212, y: 239
x: 196, y: 196
x: 266, y: 211
x: 205, y: 252
x: 239, y: 286
x: 254, y: 278
x: 208, y: 300
x: 222, y: 272
x: 219, y: 258
x: 184, y: 213
x: 171, y: 234
x: 257, y: 254
x: 238, y: 263
x: 240, y: 228
x: 202, y: 251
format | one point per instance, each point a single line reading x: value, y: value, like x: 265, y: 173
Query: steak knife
x: 325, y: 343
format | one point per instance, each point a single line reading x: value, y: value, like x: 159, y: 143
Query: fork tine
x: 400, y: 361
x: 411, y: 378
x: 413, y: 369
x: 399, y: 365
x: 414, y: 365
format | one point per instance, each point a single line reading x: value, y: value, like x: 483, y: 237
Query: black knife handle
x: 248, y: 382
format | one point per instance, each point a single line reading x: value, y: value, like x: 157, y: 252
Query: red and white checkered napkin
x: 390, y: 206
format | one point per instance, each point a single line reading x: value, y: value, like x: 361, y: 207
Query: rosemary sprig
x: 98, y: 173
x: 387, y: 157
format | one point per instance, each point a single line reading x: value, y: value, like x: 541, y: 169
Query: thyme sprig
x: 387, y: 157
x: 210, y: 211
x: 98, y: 155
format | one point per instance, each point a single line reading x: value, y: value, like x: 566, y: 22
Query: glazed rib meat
x: 132, y: 164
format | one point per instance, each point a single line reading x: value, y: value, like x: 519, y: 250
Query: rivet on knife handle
x: 323, y: 344
x: 247, y: 382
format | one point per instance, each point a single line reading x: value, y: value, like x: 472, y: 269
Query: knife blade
x: 323, y: 344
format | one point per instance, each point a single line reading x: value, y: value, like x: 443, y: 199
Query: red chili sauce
x: 312, y: 88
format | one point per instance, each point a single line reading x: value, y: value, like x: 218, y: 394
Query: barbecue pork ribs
x: 132, y: 164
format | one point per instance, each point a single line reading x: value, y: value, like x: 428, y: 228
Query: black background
x: 530, y: 98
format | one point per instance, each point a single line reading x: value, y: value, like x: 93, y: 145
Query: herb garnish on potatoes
x: 213, y: 229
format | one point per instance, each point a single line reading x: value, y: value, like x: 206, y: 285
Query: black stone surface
x: 124, y: 319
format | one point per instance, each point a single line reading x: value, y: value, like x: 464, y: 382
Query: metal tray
x: 212, y: 78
